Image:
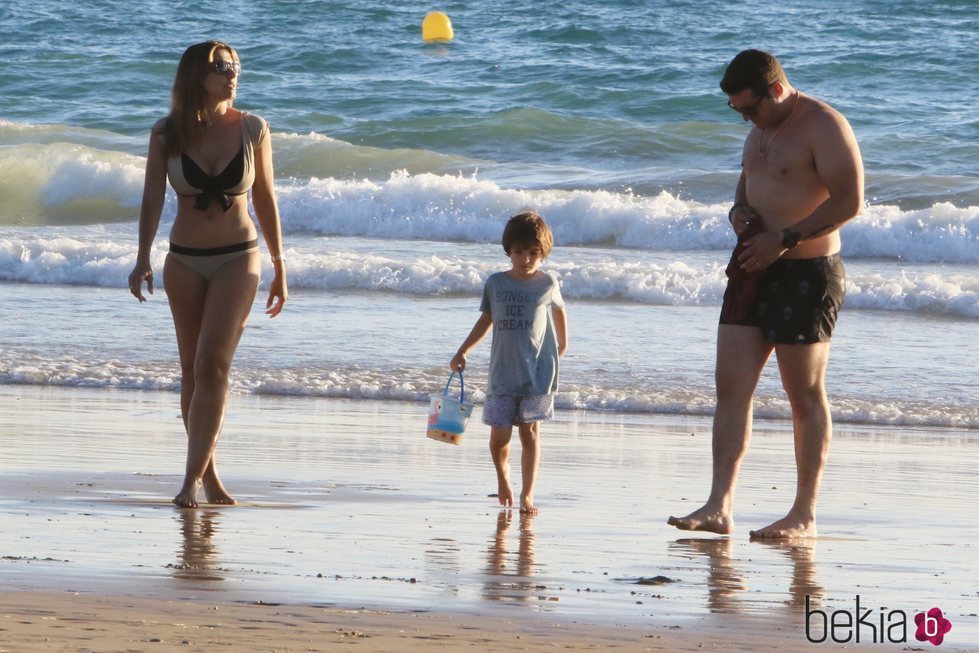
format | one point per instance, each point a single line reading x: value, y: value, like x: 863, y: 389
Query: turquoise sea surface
x: 397, y: 163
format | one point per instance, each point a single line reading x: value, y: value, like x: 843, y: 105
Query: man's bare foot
x: 704, y: 519
x: 215, y: 493
x: 786, y: 528
x: 527, y: 506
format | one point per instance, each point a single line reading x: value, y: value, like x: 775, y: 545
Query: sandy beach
x: 355, y: 532
x: 40, y: 621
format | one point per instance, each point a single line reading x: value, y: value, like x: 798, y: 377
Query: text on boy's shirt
x: 514, y: 306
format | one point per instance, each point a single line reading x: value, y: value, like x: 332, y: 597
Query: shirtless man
x: 802, y: 178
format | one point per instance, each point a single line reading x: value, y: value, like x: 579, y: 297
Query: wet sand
x: 356, y: 531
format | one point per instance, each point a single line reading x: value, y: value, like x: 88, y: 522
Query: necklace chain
x: 763, y: 151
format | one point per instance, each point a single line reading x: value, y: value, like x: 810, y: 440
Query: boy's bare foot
x: 505, y: 493
x: 788, y: 527
x: 704, y: 519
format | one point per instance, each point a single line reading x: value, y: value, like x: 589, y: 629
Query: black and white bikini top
x: 188, y: 180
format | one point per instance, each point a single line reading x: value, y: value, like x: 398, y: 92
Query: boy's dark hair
x: 528, y: 228
x: 752, y: 69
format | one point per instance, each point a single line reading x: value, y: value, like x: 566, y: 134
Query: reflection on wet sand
x: 197, y: 554
x: 727, y: 588
x: 443, y: 559
x: 802, y: 553
x: 503, y: 573
x: 724, y: 583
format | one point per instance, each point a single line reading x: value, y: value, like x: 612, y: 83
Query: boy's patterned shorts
x: 508, y: 410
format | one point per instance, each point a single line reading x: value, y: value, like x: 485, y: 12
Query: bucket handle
x: 462, y: 387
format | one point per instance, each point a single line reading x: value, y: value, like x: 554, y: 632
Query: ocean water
x: 397, y: 164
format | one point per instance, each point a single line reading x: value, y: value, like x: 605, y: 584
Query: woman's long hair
x: 188, y: 99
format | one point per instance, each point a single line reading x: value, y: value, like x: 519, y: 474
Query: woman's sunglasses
x: 222, y: 67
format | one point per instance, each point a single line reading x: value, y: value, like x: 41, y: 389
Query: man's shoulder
x: 819, y: 114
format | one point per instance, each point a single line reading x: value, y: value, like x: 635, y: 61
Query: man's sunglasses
x: 748, y: 111
x: 222, y: 67
x: 761, y: 92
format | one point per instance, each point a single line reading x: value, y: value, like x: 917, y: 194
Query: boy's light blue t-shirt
x: 523, y: 357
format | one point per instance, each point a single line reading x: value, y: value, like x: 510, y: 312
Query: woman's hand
x: 141, y: 272
x: 278, y: 292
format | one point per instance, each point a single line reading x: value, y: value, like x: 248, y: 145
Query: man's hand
x: 761, y: 251
x: 741, y: 217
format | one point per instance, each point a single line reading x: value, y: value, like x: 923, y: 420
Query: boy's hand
x: 458, y: 363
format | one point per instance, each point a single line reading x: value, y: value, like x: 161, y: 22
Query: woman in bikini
x: 213, y: 154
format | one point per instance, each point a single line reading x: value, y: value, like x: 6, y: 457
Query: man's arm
x: 836, y: 157
x: 741, y: 214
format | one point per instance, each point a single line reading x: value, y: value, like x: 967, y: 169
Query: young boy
x: 525, y: 309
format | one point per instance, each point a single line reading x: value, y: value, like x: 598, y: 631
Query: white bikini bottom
x: 206, y: 262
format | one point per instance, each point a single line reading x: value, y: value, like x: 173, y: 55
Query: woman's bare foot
x: 215, y: 492
x: 704, y: 519
x: 187, y: 497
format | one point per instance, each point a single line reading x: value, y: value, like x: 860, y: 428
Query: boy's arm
x: 560, y: 329
x: 479, y: 331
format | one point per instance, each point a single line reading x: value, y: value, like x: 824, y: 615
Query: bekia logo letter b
x: 932, y: 626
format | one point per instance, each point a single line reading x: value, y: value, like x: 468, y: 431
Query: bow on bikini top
x: 188, y: 180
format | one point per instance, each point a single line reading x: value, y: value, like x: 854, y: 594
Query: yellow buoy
x: 437, y: 27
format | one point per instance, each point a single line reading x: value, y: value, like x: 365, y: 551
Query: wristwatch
x: 790, y: 238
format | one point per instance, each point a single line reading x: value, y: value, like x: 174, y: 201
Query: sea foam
x: 414, y: 385
x: 95, y: 178
x: 105, y: 257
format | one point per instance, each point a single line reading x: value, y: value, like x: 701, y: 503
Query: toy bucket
x: 447, y: 417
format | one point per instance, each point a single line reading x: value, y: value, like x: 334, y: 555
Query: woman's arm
x: 154, y: 193
x: 267, y: 213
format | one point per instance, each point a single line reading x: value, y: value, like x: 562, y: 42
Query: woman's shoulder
x: 160, y: 126
x: 252, y: 118
x: 158, y: 134
x: 255, y: 126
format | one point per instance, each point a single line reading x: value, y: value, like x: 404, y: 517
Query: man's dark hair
x: 752, y: 69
